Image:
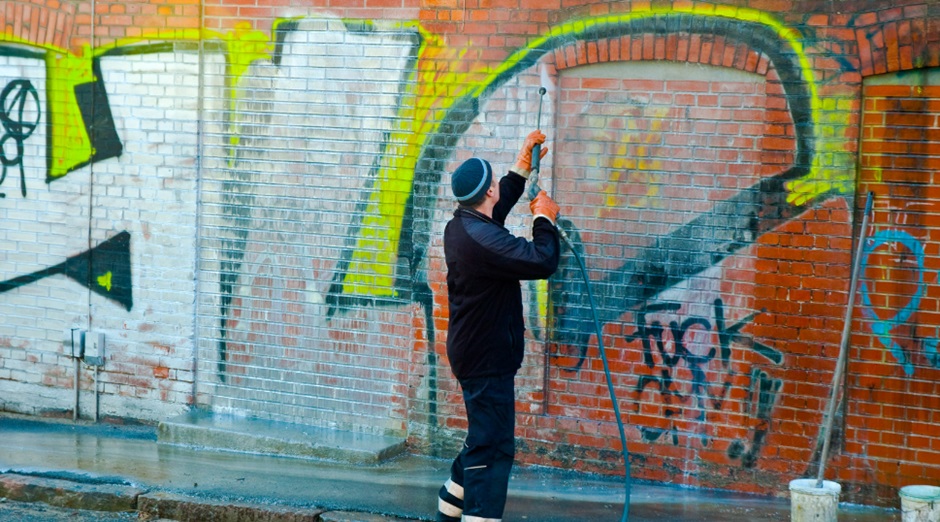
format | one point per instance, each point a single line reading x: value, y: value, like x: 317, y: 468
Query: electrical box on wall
x: 94, y: 349
x: 75, y: 342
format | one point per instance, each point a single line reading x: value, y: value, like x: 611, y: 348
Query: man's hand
x: 524, y: 160
x: 544, y: 206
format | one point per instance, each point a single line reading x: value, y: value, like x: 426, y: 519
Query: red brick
x: 648, y: 47
x: 798, y: 272
x: 705, y: 56
x: 581, y: 52
x: 695, y: 48
x: 614, y: 49
x: 603, y: 54
x: 892, y: 54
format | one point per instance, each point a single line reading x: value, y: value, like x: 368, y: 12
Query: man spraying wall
x: 485, y: 341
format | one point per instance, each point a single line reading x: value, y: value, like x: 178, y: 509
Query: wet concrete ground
x: 405, y: 487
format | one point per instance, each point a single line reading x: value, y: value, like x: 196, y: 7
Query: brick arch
x: 888, y: 45
x: 39, y: 24
x: 717, y: 51
x: 679, y: 47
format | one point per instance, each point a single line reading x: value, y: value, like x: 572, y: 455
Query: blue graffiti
x: 882, y: 327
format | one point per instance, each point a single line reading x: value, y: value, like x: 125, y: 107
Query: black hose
x: 534, y: 189
x: 610, y: 384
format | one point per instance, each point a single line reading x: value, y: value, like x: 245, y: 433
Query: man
x: 485, y: 339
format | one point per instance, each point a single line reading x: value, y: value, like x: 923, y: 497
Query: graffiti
x: 726, y: 336
x: 729, y: 226
x: 369, y: 210
x: 19, y: 114
x: 884, y: 327
x: 385, y: 258
x: 688, y: 401
x: 92, y: 101
x: 766, y: 390
x: 695, y: 372
x: 105, y: 270
x: 81, y: 128
x: 78, y: 115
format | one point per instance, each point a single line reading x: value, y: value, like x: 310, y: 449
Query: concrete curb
x: 185, y: 508
x: 158, y: 506
x: 69, y: 494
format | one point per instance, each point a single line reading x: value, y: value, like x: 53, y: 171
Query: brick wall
x: 248, y: 201
x: 893, y: 394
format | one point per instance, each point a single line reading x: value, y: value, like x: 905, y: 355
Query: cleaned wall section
x: 301, y: 322
x: 248, y: 201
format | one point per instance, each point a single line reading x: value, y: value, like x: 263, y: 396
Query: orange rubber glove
x: 544, y: 206
x: 524, y: 159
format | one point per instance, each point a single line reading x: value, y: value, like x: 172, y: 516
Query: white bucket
x: 920, y: 504
x: 811, y: 504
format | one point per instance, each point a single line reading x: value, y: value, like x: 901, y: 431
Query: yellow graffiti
x: 439, y: 86
x: 541, y: 302
x: 68, y: 141
x: 105, y: 281
x: 70, y: 144
x: 639, y: 162
x: 245, y: 46
x: 826, y: 172
x: 832, y: 168
x: 444, y: 76
x: 640, y: 172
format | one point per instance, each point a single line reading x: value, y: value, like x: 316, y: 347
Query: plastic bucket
x: 920, y: 504
x: 811, y: 504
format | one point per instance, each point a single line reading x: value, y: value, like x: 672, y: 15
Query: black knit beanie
x: 471, y: 181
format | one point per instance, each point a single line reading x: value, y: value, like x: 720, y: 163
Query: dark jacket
x: 485, y: 263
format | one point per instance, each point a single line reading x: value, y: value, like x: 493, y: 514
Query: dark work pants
x: 483, y: 466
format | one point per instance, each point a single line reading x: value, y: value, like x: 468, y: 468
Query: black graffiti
x: 92, y: 100
x: 19, y: 115
x: 726, y: 336
x: 766, y: 388
x: 105, y: 270
x: 693, y: 400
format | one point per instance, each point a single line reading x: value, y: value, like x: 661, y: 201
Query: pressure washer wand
x: 537, y: 149
x: 534, y: 190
